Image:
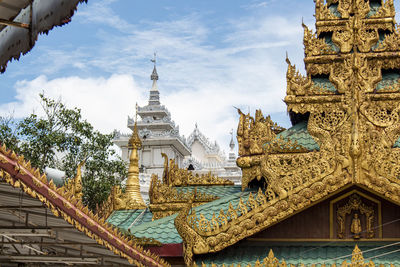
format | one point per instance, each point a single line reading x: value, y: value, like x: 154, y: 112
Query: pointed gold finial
x: 74, y: 186
x: 133, y: 195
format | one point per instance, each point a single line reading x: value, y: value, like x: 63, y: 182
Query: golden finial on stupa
x: 132, y: 193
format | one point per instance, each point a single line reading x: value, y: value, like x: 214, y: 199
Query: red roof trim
x: 20, y: 171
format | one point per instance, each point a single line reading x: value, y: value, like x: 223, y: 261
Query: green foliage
x: 8, y: 134
x: 62, y: 139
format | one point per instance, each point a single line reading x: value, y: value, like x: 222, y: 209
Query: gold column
x: 132, y: 185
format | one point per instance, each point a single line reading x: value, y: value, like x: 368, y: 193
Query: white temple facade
x: 207, y: 157
x: 159, y: 134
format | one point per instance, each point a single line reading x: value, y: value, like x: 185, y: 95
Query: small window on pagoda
x: 190, y: 168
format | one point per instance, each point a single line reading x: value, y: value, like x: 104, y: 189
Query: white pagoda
x: 158, y: 133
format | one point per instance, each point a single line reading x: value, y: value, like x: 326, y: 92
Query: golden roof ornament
x: 132, y: 191
x: 348, y: 104
x: 166, y: 196
x: 74, y: 186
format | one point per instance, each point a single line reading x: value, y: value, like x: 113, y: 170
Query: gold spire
x: 75, y: 185
x: 132, y: 184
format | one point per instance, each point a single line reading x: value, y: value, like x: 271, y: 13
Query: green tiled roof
x: 300, y: 134
x: 313, y: 253
x: 125, y: 219
x: 215, y: 190
x: 164, y: 230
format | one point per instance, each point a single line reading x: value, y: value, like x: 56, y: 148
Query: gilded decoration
x: 166, y: 196
x: 355, y: 204
x: 355, y: 126
x: 342, y: 215
x: 131, y: 199
x: 174, y: 176
x: 166, y: 200
x: 75, y: 185
x: 252, y: 134
x: 18, y: 173
x: 357, y: 260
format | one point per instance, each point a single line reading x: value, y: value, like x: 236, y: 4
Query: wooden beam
x: 9, y: 6
x: 50, y: 259
x: 14, y: 24
x: 23, y: 207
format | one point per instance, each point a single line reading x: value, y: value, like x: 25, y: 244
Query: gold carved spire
x: 75, y: 185
x: 132, y: 184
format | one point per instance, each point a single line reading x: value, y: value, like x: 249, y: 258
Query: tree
x: 62, y: 139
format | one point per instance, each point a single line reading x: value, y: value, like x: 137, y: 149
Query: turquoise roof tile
x: 305, y: 253
x: 215, y: 190
x: 164, y: 230
x: 300, y: 134
x: 125, y: 219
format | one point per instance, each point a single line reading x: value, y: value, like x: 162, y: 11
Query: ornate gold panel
x: 343, y: 209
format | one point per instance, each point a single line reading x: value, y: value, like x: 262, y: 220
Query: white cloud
x: 105, y: 102
x: 200, y: 81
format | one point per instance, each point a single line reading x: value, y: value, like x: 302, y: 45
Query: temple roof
x: 307, y: 253
x: 209, y: 147
x: 163, y: 230
x: 125, y: 219
x: 57, y: 207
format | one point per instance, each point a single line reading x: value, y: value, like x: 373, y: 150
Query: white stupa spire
x: 154, y: 98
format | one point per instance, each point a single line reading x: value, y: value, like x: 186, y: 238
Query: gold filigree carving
x: 355, y: 204
x: 166, y: 200
x: 192, y: 242
x: 75, y: 185
x: 344, y: 38
x: 182, y: 177
x: 385, y: 11
x: 297, y: 84
x: 168, y: 197
x: 281, y: 145
x: 357, y: 129
x: 253, y: 133
x: 314, y: 46
x: 322, y: 11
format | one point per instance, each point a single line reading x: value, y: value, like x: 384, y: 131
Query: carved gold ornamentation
x: 131, y: 199
x: 253, y: 133
x: 280, y: 145
x: 355, y: 126
x: 314, y: 46
x: 355, y: 203
x: 75, y: 185
x: 192, y: 242
x: 132, y: 196
x: 166, y: 200
x: 174, y: 176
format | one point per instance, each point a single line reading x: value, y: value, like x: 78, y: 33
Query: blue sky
x: 212, y: 55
